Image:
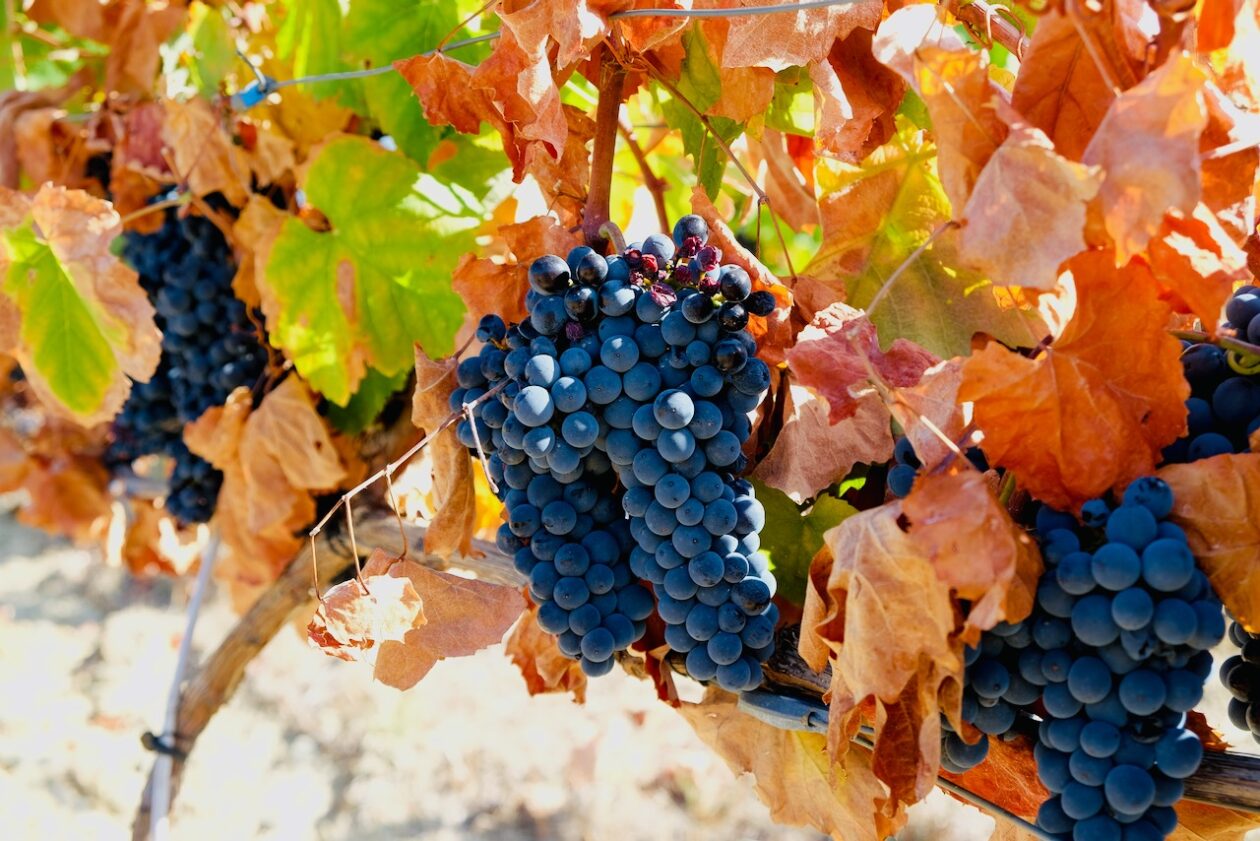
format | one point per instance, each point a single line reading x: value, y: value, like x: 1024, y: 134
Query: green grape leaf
x: 75, y: 317
x: 374, y: 392
x: 792, y: 109
x: 875, y: 216
x: 8, y: 78
x: 792, y: 538
x: 358, y: 296
x: 701, y: 85
x: 310, y: 38
x: 213, y: 55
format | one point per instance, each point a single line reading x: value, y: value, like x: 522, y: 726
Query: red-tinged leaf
x: 350, y: 621
x: 464, y: 616
x: 839, y: 350
x: 975, y: 547
x: 773, y: 332
x: 1101, y: 416
x: 1213, y: 740
x: 794, y: 39
x: 930, y: 409
x: 487, y: 286
x: 809, y: 453
x: 544, y: 668
x: 1217, y: 502
x: 274, y: 459
x: 455, y: 496
x: 574, y: 25
x: 1215, y: 27
x: 1196, y: 263
x: 1026, y: 215
x: 794, y: 774
x: 855, y: 98
x: 1007, y: 777
x: 1148, y: 149
x: 953, y: 81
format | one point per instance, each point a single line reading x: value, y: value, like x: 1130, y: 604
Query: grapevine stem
x: 655, y: 185
x: 607, y: 117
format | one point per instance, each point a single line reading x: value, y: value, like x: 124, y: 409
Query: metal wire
x: 258, y: 90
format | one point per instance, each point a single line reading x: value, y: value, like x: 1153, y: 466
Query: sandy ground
x: 310, y: 749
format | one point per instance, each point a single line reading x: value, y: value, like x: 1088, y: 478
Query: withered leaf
x: 545, y: 669
x: 352, y: 621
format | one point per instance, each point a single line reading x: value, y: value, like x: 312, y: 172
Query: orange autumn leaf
x: 855, y: 98
x: 455, y: 496
x: 274, y: 459
x: 352, y: 621
x: 1197, y: 264
x: 68, y: 495
x: 1217, y: 502
x: 953, y: 81
x: 794, y: 775
x: 1207, y: 822
x: 974, y: 546
x: 463, y: 616
x: 1103, y: 399
x: 809, y: 453
x: 1007, y: 777
x: 487, y: 286
x: 544, y: 668
x: 839, y: 350
x: 202, y: 152
x: 794, y: 39
x: 1148, y: 149
x: 1026, y: 215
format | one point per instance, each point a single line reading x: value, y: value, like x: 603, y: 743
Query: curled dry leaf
x: 794, y: 774
x: 932, y: 400
x: 809, y: 453
x: 202, y: 153
x: 545, y: 669
x: 455, y: 497
x: 839, y: 349
x: 273, y: 459
x: 1148, y: 149
x: 464, y: 616
x: 74, y: 316
x: 1217, y: 502
x: 350, y: 621
x: 1026, y: 215
x: 794, y: 39
x: 145, y: 540
x: 1112, y: 407
x: 1196, y: 263
x: 855, y: 98
x: 975, y: 547
x: 880, y: 607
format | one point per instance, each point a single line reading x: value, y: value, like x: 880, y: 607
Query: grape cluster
x: 1121, y: 634
x: 1241, y: 676
x: 1224, y: 403
x: 906, y: 465
x: 209, y: 348
x: 630, y: 388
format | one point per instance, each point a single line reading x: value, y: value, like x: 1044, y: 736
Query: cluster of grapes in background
x: 1241, y: 676
x: 1224, y: 406
x: 209, y: 348
x: 627, y: 394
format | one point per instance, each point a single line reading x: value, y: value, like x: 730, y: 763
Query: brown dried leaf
x: 455, y: 496
x: 202, y: 153
x: 794, y: 775
x: 855, y: 97
x: 544, y: 668
x: 133, y: 31
x: 464, y: 616
x: 933, y: 399
x: 809, y: 453
x: 1217, y: 502
x: 1148, y: 148
x: 794, y: 39
x: 68, y: 495
x: 256, y: 230
x: 12, y: 105
x: 975, y: 547
x: 839, y: 349
x: 1026, y: 214
x: 273, y: 459
x: 351, y: 621
x: 1110, y: 413
x: 487, y: 286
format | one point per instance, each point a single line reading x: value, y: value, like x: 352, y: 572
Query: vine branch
x: 655, y: 185
x: 612, y: 77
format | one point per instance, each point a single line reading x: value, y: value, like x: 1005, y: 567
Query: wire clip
x: 785, y: 712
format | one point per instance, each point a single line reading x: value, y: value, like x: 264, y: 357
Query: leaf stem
x: 655, y: 185
x: 914, y: 255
